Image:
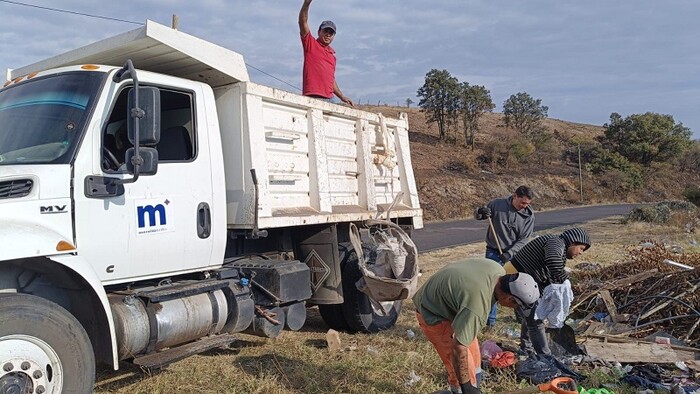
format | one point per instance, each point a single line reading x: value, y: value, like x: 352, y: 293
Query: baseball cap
x: 525, y: 290
x: 327, y: 25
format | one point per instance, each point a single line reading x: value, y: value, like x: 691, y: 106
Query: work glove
x: 482, y: 213
x: 504, y: 257
x: 467, y: 388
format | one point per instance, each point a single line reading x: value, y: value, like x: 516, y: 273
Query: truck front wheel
x: 43, y: 348
x: 363, y: 314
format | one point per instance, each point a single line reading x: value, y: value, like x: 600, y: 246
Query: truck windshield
x: 42, y: 120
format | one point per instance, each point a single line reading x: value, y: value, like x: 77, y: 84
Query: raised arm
x: 304, y: 18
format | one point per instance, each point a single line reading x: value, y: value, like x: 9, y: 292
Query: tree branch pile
x: 645, y: 293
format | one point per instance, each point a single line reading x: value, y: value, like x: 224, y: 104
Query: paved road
x: 460, y: 232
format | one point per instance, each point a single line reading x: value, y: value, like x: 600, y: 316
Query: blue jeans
x: 492, y: 254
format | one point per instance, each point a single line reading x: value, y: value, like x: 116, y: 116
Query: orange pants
x: 440, y: 335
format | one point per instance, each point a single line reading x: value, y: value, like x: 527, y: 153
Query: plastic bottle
x: 511, y: 332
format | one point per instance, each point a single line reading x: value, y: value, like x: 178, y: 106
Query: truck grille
x: 15, y: 188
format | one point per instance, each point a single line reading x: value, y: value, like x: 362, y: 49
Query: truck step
x: 166, y: 293
x: 169, y: 356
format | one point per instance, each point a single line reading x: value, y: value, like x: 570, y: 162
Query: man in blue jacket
x: 513, y: 222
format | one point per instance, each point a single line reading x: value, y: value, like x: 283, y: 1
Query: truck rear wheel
x: 363, y: 314
x: 43, y: 348
x: 333, y: 316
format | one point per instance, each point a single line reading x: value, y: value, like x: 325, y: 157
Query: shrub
x: 692, y: 194
x: 659, y: 213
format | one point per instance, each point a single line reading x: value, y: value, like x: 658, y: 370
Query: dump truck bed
x: 316, y: 162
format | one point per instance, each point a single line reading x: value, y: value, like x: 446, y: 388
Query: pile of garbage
x: 638, y: 320
x: 655, y: 291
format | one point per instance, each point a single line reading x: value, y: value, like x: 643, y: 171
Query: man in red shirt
x: 319, y: 59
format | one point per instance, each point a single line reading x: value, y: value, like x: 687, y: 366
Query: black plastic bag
x: 541, y: 368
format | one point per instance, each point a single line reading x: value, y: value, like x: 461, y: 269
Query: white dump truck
x: 154, y: 201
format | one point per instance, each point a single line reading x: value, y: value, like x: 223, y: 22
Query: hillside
x: 453, y: 179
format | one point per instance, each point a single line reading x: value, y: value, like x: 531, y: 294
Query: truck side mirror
x: 150, y: 160
x: 149, y: 124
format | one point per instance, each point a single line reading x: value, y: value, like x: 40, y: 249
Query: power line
x: 70, y: 12
x: 272, y: 76
x: 126, y: 21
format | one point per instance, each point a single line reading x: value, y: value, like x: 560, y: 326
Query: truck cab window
x: 176, y: 135
x: 42, y: 121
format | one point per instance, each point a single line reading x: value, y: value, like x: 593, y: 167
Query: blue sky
x: 584, y: 59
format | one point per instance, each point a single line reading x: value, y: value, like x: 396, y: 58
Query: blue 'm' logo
x: 151, y: 211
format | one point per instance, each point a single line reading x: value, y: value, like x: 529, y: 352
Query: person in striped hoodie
x: 544, y: 259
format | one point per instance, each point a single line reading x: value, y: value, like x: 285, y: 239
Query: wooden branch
x: 665, y: 303
x: 610, y: 305
x: 692, y: 329
x: 623, y: 282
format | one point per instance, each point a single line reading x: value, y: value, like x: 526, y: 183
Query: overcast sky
x: 584, y: 59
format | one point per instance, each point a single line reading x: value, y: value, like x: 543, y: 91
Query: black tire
x: 362, y: 314
x: 49, y: 340
x: 333, y: 316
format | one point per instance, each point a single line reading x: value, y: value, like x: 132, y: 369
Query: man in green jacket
x: 453, y: 305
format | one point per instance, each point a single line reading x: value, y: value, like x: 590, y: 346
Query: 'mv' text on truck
x: 154, y: 201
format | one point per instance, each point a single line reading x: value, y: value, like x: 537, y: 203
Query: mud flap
x: 317, y: 247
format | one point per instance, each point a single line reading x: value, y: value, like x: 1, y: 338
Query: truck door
x: 158, y: 226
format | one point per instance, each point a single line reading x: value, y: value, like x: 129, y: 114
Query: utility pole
x: 580, y: 177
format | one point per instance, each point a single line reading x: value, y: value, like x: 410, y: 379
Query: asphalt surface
x: 440, y: 235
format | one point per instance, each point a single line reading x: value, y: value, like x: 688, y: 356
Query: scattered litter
x: 679, y: 265
x: 489, y: 348
x: 372, y: 350
x: 681, y: 365
x: 511, y: 332
x: 333, y: 341
x: 581, y: 390
x: 677, y: 249
x: 600, y: 316
x: 503, y: 359
x: 410, y: 334
x: 413, y: 378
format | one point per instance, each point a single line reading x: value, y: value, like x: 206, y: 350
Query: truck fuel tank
x: 153, y: 318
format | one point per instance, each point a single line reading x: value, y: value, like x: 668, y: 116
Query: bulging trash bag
x: 542, y: 368
x: 393, y: 274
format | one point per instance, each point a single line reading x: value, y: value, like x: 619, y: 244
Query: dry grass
x: 299, y: 362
